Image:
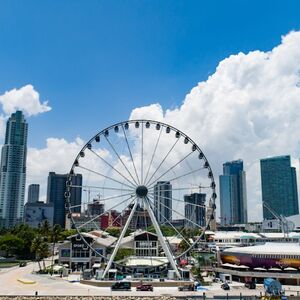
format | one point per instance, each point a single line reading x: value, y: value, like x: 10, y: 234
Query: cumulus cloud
x: 26, y: 99
x: 249, y: 109
x: 57, y: 156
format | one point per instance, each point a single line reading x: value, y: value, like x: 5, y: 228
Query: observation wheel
x: 150, y: 187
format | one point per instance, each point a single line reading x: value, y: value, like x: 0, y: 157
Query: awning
x: 96, y: 265
x: 275, y: 269
x: 290, y: 269
x: 242, y: 267
x: 228, y: 265
x: 260, y: 269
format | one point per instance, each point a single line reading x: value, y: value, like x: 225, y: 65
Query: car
x: 23, y: 264
x: 250, y: 285
x: 186, y: 287
x: 121, y: 286
x: 145, y: 287
x: 225, y: 286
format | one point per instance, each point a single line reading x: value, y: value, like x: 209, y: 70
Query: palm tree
x: 43, y: 252
x: 35, y: 248
x: 45, y: 228
x: 55, y: 235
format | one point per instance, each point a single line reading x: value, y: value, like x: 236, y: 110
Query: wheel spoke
x: 120, y: 159
x: 166, y: 156
x: 175, y: 178
x: 167, y: 221
x: 106, y: 162
x: 178, y: 213
x: 178, y: 200
x: 130, y: 154
x: 105, y: 176
x: 180, y: 161
x: 104, y: 199
x: 153, y: 154
x: 98, y: 216
x: 183, y: 188
x: 100, y: 187
x: 142, y: 154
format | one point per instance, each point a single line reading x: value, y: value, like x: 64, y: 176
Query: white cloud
x: 57, y: 156
x: 26, y: 99
x: 249, y: 109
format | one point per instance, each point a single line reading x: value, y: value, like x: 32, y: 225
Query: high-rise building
x: 33, y: 193
x: 13, y: 171
x: 279, y: 186
x: 194, y: 210
x: 163, y: 201
x: 36, y: 213
x: 233, y: 195
x: 56, y: 194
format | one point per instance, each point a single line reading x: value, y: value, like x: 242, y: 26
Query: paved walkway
x: 54, y: 285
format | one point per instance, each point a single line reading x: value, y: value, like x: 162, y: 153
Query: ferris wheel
x: 143, y: 177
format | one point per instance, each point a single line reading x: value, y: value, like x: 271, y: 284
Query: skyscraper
x: 56, y: 194
x: 163, y: 201
x: 194, y: 210
x: 233, y: 196
x: 13, y: 171
x: 279, y: 186
x: 33, y: 193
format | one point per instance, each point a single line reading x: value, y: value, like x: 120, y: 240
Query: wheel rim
x: 127, y: 162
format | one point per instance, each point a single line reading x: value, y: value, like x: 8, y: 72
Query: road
x: 54, y: 285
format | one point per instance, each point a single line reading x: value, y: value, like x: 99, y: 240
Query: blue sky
x: 94, y: 61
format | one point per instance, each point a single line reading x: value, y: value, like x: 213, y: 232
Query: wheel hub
x: 141, y: 191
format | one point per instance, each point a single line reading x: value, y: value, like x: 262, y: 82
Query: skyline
x: 259, y: 90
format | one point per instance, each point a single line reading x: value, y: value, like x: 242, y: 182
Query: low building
x: 78, y: 255
x: 279, y: 260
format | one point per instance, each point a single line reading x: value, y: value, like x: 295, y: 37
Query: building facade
x: 163, y: 201
x: 194, y: 210
x: 13, y: 171
x: 233, y: 195
x: 33, y: 193
x: 36, y: 213
x: 56, y: 195
x: 279, y: 186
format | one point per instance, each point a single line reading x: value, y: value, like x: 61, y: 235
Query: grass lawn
x: 8, y: 264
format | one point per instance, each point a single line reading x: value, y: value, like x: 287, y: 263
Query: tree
x: 55, y: 235
x: 11, y: 244
x: 35, y: 246
x: 45, y: 228
x: 122, y: 253
x: 113, y: 231
x: 43, y: 252
x: 183, y: 245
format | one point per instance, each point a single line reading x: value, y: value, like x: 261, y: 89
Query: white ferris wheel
x: 146, y: 176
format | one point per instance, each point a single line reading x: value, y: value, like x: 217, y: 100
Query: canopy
x: 274, y: 269
x: 242, y: 267
x: 290, y: 269
x: 260, y: 269
x: 96, y: 265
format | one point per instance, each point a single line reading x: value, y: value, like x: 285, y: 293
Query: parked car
x: 250, y: 285
x: 121, y: 286
x: 225, y: 286
x: 23, y: 264
x: 145, y: 287
x: 186, y: 287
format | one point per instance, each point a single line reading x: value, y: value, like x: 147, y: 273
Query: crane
x: 284, y: 223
